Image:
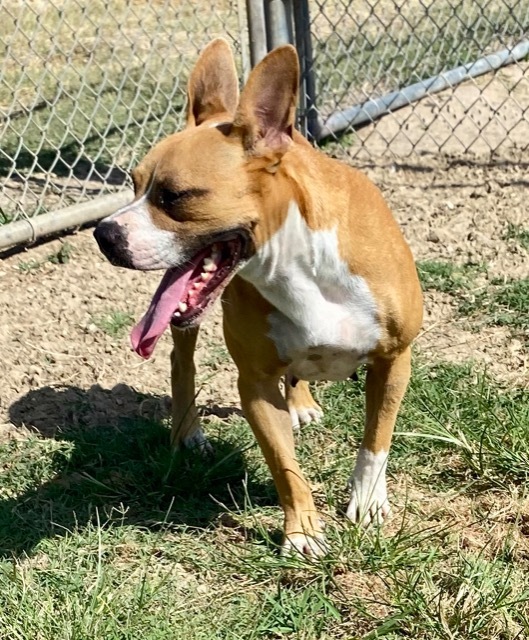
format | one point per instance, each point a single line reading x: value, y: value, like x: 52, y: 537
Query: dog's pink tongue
x: 165, y: 301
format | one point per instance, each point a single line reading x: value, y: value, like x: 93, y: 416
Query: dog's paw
x: 198, y: 442
x: 369, y: 499
x: 368, y: 509
x: 305, y: 415
x: 301, y: 405
x: 300, y: 543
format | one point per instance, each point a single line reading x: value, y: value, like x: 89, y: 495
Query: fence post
x: 278, y: 16
x: 256, y: 30
x: 309, y: 120
x: 269, y: 26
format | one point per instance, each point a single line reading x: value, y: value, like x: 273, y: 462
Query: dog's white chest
x: 325, y: 322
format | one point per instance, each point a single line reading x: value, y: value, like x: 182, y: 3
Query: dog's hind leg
x: 301, y: 405
x: 386, y: 384
x: 186, y: 430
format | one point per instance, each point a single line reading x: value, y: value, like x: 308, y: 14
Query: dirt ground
x: 51, y: 340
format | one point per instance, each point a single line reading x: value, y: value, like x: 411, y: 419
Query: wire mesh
x: 364, y: 49
x: 86, y: 86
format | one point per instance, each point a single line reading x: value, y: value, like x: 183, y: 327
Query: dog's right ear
x: 213, y: 88
x: 266, y: 113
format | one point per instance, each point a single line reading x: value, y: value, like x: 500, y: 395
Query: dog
x: 313, y: 271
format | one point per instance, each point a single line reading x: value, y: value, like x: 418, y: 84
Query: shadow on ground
x: 115, y: 467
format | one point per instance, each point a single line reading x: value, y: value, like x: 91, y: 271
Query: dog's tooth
x: 209, y: 265
x: 205, y: 276
x: 198, y: 285
x: 177, y: 314
x: 182, y: 307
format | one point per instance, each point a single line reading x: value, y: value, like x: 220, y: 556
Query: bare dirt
x: 54, y: 353
x: 460, y: 212
x: 482, y: 115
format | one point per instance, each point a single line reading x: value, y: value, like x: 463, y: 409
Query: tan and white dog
x: 316, y: 276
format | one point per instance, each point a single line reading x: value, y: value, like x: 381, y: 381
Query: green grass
x: 498, y: 303
x: 518, y: 233
x: 105, y: 534
x: 26, y: 266
x: 448, y: 277
x: 501, y: 304
x: 61, y: 256
x: 114, y: 323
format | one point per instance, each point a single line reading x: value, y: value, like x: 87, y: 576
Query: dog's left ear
x: 267, y: 109
x: 213, y: 88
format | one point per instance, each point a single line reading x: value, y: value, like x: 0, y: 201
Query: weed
x: 114, y: 323
x: 518, y: 233
x: 29, y: 266
x: 5, y: 216
x: 63, y: 255
x: 448, y: 277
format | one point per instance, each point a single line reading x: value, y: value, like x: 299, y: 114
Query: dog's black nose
x: 112, y: 240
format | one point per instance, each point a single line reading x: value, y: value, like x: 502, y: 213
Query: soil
x: 54, y: 352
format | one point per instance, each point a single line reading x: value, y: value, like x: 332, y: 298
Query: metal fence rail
x: 367, y: 50
x: 86, y: 86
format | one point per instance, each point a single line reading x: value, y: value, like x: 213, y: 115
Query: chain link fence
x: 87, y: 86
x: 366, y: 52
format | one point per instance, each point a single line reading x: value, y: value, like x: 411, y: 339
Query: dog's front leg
x: 267, y: 412
x: 186, y: 430
x: 386, y: 384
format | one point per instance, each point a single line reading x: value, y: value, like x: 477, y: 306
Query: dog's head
x: 200, y: 193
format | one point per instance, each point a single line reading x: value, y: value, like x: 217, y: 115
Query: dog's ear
x: 267, y: 108
x: 213, y: 87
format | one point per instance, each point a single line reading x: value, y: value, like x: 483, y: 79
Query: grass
x: 448, y: 277
x: 105, y: 534
x: 115, y: 323
x: 518, y: 233
x: 61, y: 256
x: 501, y: 302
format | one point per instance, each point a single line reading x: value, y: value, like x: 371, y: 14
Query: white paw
x: 299, y: 543
x: 305, y: 415
x: 198, y: 442
x: 369, y: 499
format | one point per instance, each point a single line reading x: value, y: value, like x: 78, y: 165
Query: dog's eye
x: 168, y: 198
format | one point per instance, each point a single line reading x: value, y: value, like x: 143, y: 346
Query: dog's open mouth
x: 186, y: 292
